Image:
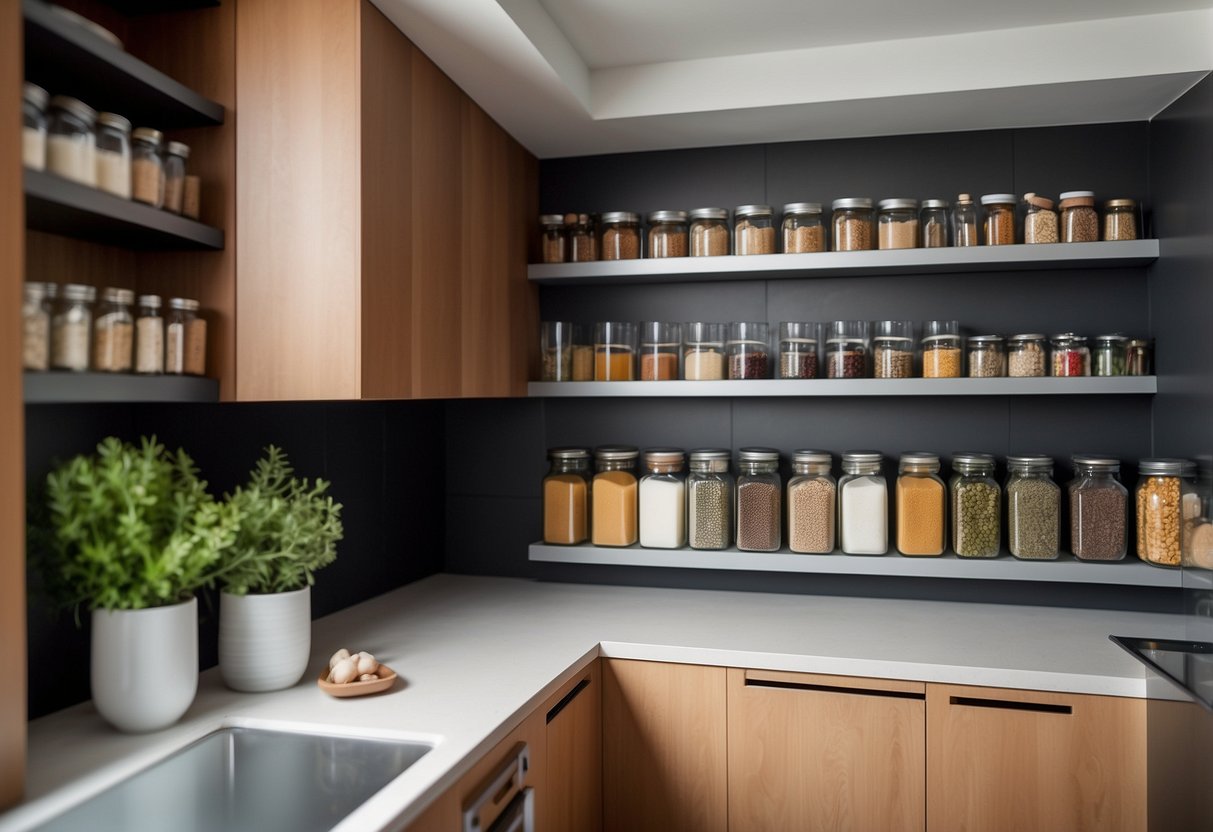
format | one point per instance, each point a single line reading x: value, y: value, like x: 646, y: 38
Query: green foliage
x: 288, y: 530
x: 133, y: 527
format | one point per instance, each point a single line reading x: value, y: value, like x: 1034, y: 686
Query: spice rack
x: 1066, y: 569
x: 97, y: 388
x: 1046, y: 386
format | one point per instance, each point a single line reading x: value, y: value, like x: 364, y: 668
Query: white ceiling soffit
x: 513, y: 58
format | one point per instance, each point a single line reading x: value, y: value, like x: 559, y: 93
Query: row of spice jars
x: 67, y: 328
x: 709, y: 509
x: 72, y: 140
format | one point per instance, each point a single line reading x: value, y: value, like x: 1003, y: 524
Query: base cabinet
x: 572, y: 793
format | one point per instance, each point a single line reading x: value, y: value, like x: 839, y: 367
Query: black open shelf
x: 134, y: 7
x: 67, y: 59
x: 96, y: 388
x: 60, y: 206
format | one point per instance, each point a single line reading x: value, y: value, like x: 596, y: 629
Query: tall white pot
x: 264, y: 640
x: 144, y: 668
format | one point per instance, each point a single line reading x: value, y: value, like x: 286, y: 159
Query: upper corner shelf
x: 835, y: 387
x: 1115, y: 254
x: 68, y: 59
x: 99, y: 388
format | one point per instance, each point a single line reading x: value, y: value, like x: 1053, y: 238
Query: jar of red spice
x: 1071, y: 355
x: 749, y: 350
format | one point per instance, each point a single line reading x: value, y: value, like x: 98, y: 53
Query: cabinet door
x: 827, y: 753
x: 1016, y: 760
x: 572, y: 794
x: 664, y: 757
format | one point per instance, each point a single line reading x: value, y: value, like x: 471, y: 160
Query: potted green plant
x: 133, y: 533
x: 289, y: 528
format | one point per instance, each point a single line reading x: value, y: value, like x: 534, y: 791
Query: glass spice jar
x: 620, y: 235
x: 1108, y: 355
x: 614, y: 351
x: 36, y: 326
x: 852, y: 221
x: 863, y: 505
x: 667, y: 234
x: 659, y: 346
x: 1071, y: 356
x: 893, y: 350
x: 113, y: 154
x: 184, y: 339
x: 999, y: 219
x: 846, y: 351
x: 566, y: 497
x: 552, y: 239
x: 803, y: 230
x: 33, y: 126
x: 897, y: 224
x: 71, y: 327
x: 1139, y: 357
x: 614, y: 503
x: 987, y: 357
x: 709, y: 232
x: 556, y: 351
x: 1163, y: 486
x: 934, y: 223
x: 583, y: 241
x: 942, y: 356
x: 147, y: 168
x: 1120, y: 219
x: 1026, y: 355
x: 759, y: 495
x: 921, y: 506
x: 583, y: 352
x: 812, y: 497
x: 1098, y: 504
x: 964, y: 222
x: 149, y: 336
x: 798, y: 349
x: 703, y: 351
x: 1033, y: 508
x: 753, y: 230
x: 710, y: 496
x: 114, y: 332
x: 1040, y: 220
x: 749, y: 348
x: 663, y: 499
x: 176, y: 155
x: 70, y: 140
x: 976, y: 506
x: 1079, y: 222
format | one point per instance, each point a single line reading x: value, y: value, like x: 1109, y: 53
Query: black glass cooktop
x: 1188, y: 664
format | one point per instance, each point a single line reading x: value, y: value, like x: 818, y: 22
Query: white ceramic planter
x: 264, y: 640
x: 144, y: 667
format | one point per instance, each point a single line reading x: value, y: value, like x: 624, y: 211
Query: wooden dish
x: 387, y: 678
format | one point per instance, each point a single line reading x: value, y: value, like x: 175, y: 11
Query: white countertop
x: 476, y: 655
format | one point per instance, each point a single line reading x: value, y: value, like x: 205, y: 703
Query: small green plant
x: 289, y: 529
x: 133, y: 527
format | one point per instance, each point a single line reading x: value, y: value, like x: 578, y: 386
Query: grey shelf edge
x: 1116, y: 254
x: 1121, y: 385
x: 98, y: 388
x: 1128, y: 572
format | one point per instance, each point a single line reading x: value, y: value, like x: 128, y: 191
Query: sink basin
x: 248, y: 779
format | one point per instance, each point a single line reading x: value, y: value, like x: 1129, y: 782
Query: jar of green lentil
x: 1033, y: 508
x: 1108, y: 355
x: 976, y: 506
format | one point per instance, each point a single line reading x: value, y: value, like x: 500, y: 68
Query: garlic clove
x: 338, y: 656
x: 345, y: 671
x: 368, y: 677
x: 366, y: 663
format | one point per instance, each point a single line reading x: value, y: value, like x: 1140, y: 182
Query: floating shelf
x: 67, y: 59
x: 848, y: 264
x: 1066, y: 569
x: 60, y: 206
x: 1119, y: 385
x: 79, y: 388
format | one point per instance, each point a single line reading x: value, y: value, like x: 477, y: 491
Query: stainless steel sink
x: 248, y: 779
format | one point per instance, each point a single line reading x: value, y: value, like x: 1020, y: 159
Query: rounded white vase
x: 264, y: 640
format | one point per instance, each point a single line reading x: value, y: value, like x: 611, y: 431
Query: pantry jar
x: 1166, y: 489
x: 185, y: 339
x: 1026, y: 355
x: 620, y: 235
x: 667, y: 234
x: 36, y: 326
x: 70, y: 140
x: 897, y: 223
x: 1033, y: 508
x: 147, y: 168
x: 1108, y: 355
x: 798, y: 343
x: 663, y: 499
x: 921, y: 505
x: 614, y: 351
x: 556, y: 351
x: 709, y: 232
x: 583, y: 352
x: 803, y: 230
x: 999, y: 219
x: 1139, y: 357
x: 942, y: 356
x: 893, y: 350
x: 934, y: 223
x: 1120, y: 219
x: 583, y: 241
x: 863, y: 505
x: 114, y: 332
x: 1079, y: 222
x: 852, y: 223
x: 113, y: 154
x: 552, y: 238
x: 846, y: 351
x: 964, y: 222
x: 987, y: 357
x: 812, y: 495
x: 976, y: 506
x: 149, y: 336
x: 33, y: 126
x: 749, y: 348
x: 1071, y: 356
x: 659, y: 343
x: 566, y: 496
x: 71, y: 327
x: 1098, y: 504
x: 753, y: 230
x: 176, y: 154
x: 759, y: 494
x: 703, y: 351
x: 710, y: 499
x: 613, y: 496
x: 1040, y: 220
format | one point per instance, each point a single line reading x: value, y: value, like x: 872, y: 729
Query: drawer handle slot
x: 1008, y: 705
x: 568, y: 697
x: 893, y: 694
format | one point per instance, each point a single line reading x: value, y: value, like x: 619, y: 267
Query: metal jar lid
x: 667, y: 216
x: 1164, y: 467
x: 74, y: 106
x: 150, y: 301
x: 568, y: 453
x: 620, y: 216
x: 36, y: 290
x: 1096, y: 462
x: 1120, y: 203
x: 616, y: 452
x: 1137, y: 343
x: 758, y: 455
x: 185, y: 304
x: 752, y: 211
x: 709, y: 214
x: 863, y: 456
x: 114, y: 295
x: 998, y: 199
x: 1028, y: 336
x: 898, y: 204
x: 117, y: 122
x: 147, y: 134
x: 178, y: 149
x: 1077, y: 195
x: 552, y: 219
x: 1069, y: 339
x: 936, y: 203
x: 1112, y: 338
x: 802, y: 208
x: 35, y: 95
x: 985, y: 340
x: 919, y: 458
x: 700, y: 454
x: 1030, y: 461
x: 811, y: 457
x: 78, y: 292
x: 967, y: 463
x: 663, y: 456
x: 852, y: 202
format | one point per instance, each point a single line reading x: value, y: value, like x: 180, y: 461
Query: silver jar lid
x: 178, y: 149
x: 988, y: 340
x: 752, y: 211
x: 36, y: 290
x: 150, y: 301
x: 971, y: 462
x: 76, y: 107
x: 186, y: 304
x: 710, y: 453
x: 551, y: 219
x: 802, y: 208
x: 1030, y: 461
x: 620, y: 216
x: 663, y: 456
x: 998, y: 199
x: 920, y: 458
x: 1112, y: 338
x: 1028, y: 336
x: 1164, y: 467
x: 758, y: 455
x: 812, y: 457
x: 667, y: 216
x: 78, y: 292
x: 898, y: 204
x: 934, y: 203
x: 616, y: 452
x: 863, y: 456
x: 568, y: 453
x: 1077, y: 195
x: 117, y: 122
x: 35, y: 95
x: 709, y: 214
x: 1069, y: 339
x: 1096, y: 462
x: 147, y: 134
x: 112, y: 294
x: 852, y: 202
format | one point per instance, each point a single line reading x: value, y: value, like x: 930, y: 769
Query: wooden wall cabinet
x: 572, y: 792
x: 383, y: 217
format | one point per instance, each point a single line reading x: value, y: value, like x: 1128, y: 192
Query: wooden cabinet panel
x: 572, y: 794
x: 664, y: 753
x: 1015, y: 760
x: 825, y: 753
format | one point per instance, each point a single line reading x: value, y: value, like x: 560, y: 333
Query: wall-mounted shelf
x: 1103, y: 255
x: 68, y: 59
x: 96, y: 388
x: 836, y: 387
x: 1128, y: 572
x: 60, y: 206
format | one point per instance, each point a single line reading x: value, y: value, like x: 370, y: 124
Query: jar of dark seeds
x: 749, y: 350
x: 803, y: 230
x: 1026, y: 355
x: 846, y: 350
x: 976, y: 506
x: 1033, y: 508
x: 798, y: 349
x: 1098, y: 505
x: 1040, y: 221
x: 1108, y: 355
x: 933, y: 223
x: 710, y: 499
x: 667, y: 234
x: 753, y: 230
x: 1120, y: 219
x: 852, y: 224
x: 893, y: 350
x: 552, y: 237
x: 759, y: 497
x: 811, y: 503
x: 1139, y: 357
x: 620, y: 235
x: 1079, y: 222
x: 987, y: 357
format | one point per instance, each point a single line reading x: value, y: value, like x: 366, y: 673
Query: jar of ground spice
x: 613, y: 496
x: 1079, y: 222
x: 1120, y: 219
x: 934, y: 223
x: 556, y: 351
x: 753, y: 230
x: 71, y: 141
x: 848, y: 344
x: 147, y: 168
x: 759, y: 498
x: 659, y: 344
x: 667, y: 234
x: 1070, y: 355
x: 113, y: 154
x: 1033, y: 508
x: 583, y: 352
x: 852, y: 224
x: 893, y: 350
x: 620, y: 235
x: 803, y: 230
x: 812, y: 497
x: 114, y: 332
x: 1026, y: 355
x: 703, y: 351
x: 897, y: 223
x: 976, y: 506
x: 566, y: 496
x: 176, y: 155
x: 1098, y: 505
x: 987, y: 357
x: 798, y: 344
x: 663, y: 499
x: 999, y: 219
x: 184, y: 338
x: 941, y: 349
x: 582, y: 238
x: 863, y: 505
x: 1139, y: 357
x: 552, y: 238
x: 1164, y: 487
x: 71, y: 327
x: 149, y: 336
x: 36, y: 326
x: 614, y: 351
x: 1040, y: 220
x: 964, y: 222
x: 749, y: 349
x: 710, y: 495
x: 709, y: 232
x: 1108, y: 355
x: 921, y: 505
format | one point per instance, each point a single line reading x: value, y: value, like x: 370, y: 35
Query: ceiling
x: 578, y: 77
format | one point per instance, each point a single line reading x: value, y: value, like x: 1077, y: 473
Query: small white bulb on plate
x: 344, y: 671
x: 367, y: 677
x: 338, y: 656
x: 366, y: 663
